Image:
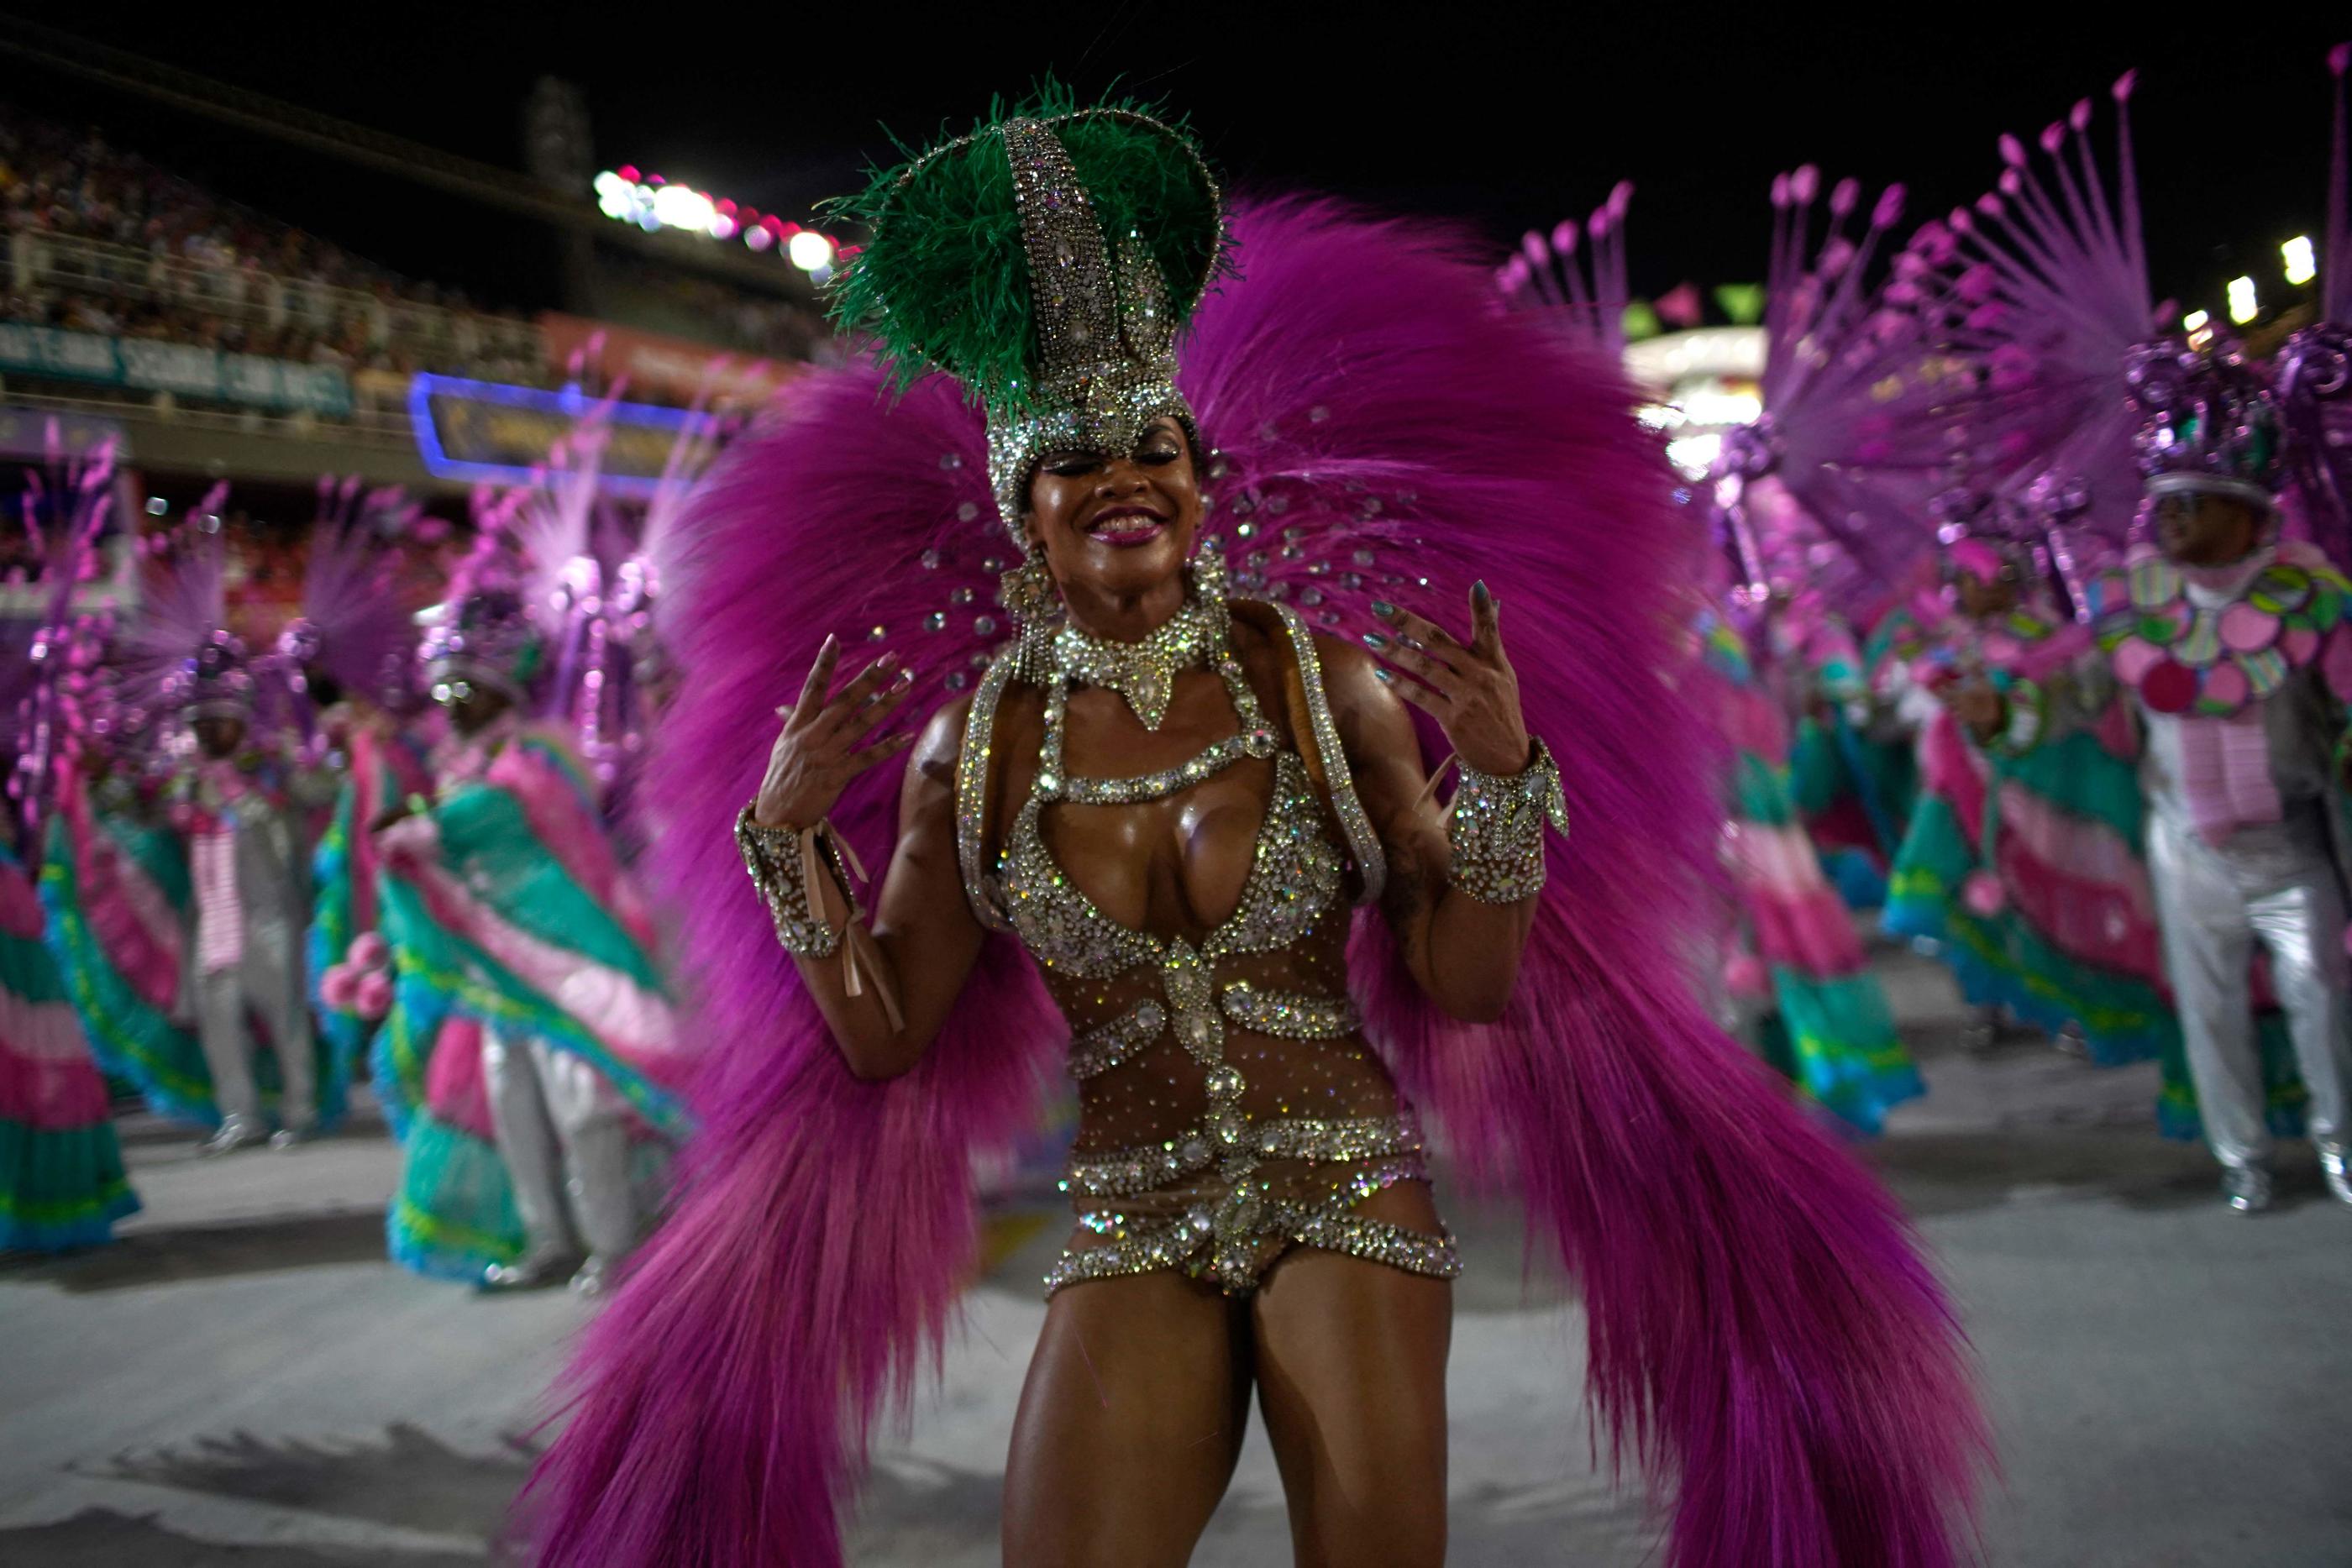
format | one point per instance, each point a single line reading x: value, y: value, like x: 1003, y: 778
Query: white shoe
x: 531, y: 1271
x: 2247, y: 1187
x: 286, y: 1138
x: 236, y: 1133
x: 2336, y: 1167
x: 593, y: 1279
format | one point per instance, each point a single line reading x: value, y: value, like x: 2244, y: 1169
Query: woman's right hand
x: 818, y: 752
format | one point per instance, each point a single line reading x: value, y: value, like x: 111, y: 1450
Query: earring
x: 1027, y: 594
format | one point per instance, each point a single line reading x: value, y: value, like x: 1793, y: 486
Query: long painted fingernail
x: 1383, y: 609
x: 1478, y: 591
x: 1374, y: 640
x: 884, y: 659
x: 1382, y: 676
x: 905, y: 678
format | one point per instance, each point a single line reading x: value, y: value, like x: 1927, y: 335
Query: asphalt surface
x: 244, y: 1380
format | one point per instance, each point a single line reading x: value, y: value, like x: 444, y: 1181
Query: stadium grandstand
x: 211, y: 341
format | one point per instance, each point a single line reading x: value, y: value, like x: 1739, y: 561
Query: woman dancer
x: 1168, y: 797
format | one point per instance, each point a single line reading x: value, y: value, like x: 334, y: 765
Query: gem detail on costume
x: 1246, y: 1211
x: 1229, y: 1243
x: 1105, y: 331
x: 1144, y: 674
x: 972, y: 792
x: 1099, y: 1049
x: 1124, y: 1173
x: 1363, y: 844
x: 1289, y: 1016
x: 2183, y: 658
x: 1294, y: 880
x: 1496, y: 826
x: 773, y: 857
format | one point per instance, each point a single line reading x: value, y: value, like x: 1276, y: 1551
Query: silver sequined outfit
x: 1230, y: 1108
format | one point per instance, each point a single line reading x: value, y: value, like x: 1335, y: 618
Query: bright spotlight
x: 615, y: 197
x: 2302, y: 265
x: 683, y: 207
x: 810, y: 250
x: 2244, y: 307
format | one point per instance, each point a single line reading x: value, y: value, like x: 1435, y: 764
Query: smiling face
x: 1113, y: 528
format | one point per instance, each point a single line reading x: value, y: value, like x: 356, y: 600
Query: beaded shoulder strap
x: 1318, y: 736
x: 972, y: 790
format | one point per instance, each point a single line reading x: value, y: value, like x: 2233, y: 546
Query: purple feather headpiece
x: 2315, y: 368
x: 2208, y: 423
x: 178, y: 653
x: 47, y: 666
x: 485, y: 633
x: 2040, y: 288
x: 1847, y: 385
x: 351, y: 626
x: 214, y: 681
x: 1579, y: 286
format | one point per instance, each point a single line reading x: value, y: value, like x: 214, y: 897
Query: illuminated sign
x: 488, y: 432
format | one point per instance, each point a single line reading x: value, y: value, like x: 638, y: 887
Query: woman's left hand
x: 1469, y: 688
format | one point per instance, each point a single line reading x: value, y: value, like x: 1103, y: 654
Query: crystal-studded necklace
x: 1144, y: 673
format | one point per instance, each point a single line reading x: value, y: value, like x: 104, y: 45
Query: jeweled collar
x: 1144, y: 673
x: 2206, y: 655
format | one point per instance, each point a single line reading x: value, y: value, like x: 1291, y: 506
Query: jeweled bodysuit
x: 1230, y: 1109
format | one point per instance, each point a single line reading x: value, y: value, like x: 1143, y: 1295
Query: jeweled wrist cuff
x: 1496, y: 826
x: 778, y: 860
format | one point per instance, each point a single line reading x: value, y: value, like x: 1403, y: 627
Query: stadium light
x: 653, y: 204
x: 2243, y: 306
x: 683, y: 207
x: 2196, y: 320
x: 2302, y: 265
x: 809, y: 250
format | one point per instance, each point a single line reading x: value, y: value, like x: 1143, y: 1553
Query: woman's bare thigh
x: 1131, y: 1421
x: 1350, y: 1367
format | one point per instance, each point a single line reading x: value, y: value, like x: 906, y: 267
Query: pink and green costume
x: 2025, y: 864
x: 119, y: 906
x: 384, y: 769
x: 1851, y: 786
x: 61, y: 1178
x: 1829, y: 1029
x: 506, y: 909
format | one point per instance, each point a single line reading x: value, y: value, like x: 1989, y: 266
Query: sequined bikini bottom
x: 1181, y: 1205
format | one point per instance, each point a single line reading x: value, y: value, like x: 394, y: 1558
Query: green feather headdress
x: 1046, y: 261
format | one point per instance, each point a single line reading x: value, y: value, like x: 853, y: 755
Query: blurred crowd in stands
x: 101, y: 240
x: 170, y: 260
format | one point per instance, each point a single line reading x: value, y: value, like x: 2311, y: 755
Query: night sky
x: 1498, y: 126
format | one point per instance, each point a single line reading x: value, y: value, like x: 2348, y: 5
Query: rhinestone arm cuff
x: 786, y: 866
x: 1496, y: 825
x: 778, y: 860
